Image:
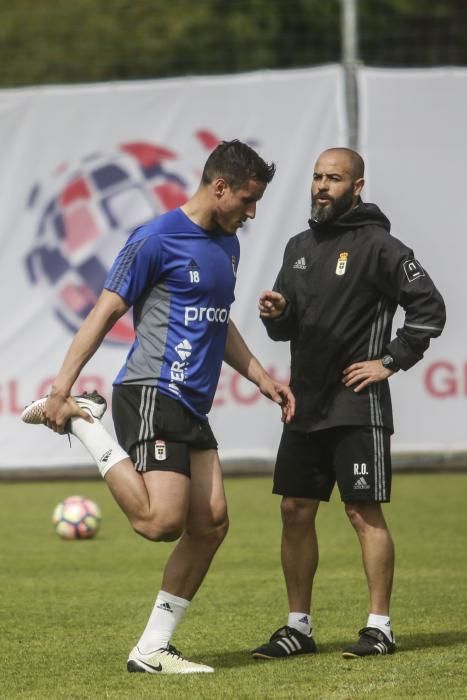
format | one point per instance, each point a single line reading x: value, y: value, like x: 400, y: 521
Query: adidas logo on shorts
x: 361, y: 484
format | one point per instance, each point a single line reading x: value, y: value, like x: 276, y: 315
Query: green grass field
x: 71, y: 611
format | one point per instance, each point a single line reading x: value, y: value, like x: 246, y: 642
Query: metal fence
x: 57, y: 41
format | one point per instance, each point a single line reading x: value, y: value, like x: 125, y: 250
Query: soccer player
x: 178, y: 272
x: 334, y: 300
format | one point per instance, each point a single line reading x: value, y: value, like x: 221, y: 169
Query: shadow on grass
x: 230, y: 659
x: 412, y: 642
x: 234, y: 659
x: 406, y: 642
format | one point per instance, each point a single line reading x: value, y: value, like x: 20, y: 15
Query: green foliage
x: 59, y: 41
x: 71, y: 611
x: 413, y: 32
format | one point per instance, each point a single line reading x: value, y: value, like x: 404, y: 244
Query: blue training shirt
x: 180, y: 280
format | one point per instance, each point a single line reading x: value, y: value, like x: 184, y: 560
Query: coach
x: 334, y: 300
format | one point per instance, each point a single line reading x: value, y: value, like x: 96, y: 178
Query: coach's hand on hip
x: 364, y: 373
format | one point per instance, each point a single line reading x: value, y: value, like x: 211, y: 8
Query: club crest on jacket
x: 341, y: 263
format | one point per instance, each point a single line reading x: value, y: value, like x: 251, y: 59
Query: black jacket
x: 343, y: 282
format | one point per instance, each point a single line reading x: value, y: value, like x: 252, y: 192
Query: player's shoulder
x: 159, y: 225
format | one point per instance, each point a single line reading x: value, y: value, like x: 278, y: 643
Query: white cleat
x: 93, y: 403
x: 167, y: 660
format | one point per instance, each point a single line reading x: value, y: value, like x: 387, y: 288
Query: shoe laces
x: 173, y: 651
x: 372, y: 633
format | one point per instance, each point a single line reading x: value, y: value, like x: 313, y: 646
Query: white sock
x: 167, y: 612
x: 381, y: 622
x: 102, y: 447
x: 300, y: 621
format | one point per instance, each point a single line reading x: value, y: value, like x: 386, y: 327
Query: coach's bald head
x: 337, y: 183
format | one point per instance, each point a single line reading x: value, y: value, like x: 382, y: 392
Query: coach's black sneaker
x: 93, y: 403
x: 371, y: 642
x: 285, y: 642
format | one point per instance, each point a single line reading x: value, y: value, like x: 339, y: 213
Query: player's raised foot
x: 371, y: 642
x: 166, y: 660
x: 92, y: 402
x: 285, y: 642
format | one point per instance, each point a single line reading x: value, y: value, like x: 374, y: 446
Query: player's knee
x: 159, y: 530
x: 222, y: 528
x: 213, y: 532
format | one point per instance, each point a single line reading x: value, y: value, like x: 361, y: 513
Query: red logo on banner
x: 445, y: 380
x: 83, y: 215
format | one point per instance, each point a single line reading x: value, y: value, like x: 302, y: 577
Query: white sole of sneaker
x: 33, y: 414
x: 137, y: 666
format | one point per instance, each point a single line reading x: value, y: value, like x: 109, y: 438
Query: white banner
x: 413, y: 137
x: 82, y: 166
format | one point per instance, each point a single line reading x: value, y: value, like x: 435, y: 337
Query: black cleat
x: 285, y: 642
x: 372, y: 642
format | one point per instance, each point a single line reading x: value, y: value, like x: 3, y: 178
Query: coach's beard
x: 322, y: 214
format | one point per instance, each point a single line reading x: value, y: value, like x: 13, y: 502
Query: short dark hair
x: 237, y: 163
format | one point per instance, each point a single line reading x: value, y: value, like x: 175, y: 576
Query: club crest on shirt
x: 160, y: 450
x: 234, y: 265
x: 341, y: 263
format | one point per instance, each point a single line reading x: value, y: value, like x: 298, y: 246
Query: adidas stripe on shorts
x: 357, y: 457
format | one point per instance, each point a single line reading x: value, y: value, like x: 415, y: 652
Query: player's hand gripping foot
x: 371, y: 642
x: 285, y: 642
x: 167, y: 660
x: 93, y: 404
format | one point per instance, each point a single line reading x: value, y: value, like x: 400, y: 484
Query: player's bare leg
x: 377, y: 552
x: 299, y: 550
x: 155, y: 503
x: 206, y: 526
x: 158, y: 514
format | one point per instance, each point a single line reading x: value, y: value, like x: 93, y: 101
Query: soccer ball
x: 76, y: 518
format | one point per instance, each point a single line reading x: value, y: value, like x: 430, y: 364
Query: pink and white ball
x: 76, y: 518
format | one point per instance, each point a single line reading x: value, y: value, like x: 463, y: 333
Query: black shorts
x: 357, y: 457
x: 157, y: 431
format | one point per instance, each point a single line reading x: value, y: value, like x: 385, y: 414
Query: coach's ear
x: 358, y: 186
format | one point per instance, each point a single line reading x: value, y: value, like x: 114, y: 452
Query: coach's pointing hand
x: 271, y: 304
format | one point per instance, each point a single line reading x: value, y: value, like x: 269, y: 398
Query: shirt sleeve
x: 402, y: 278
x: 137, y: 266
